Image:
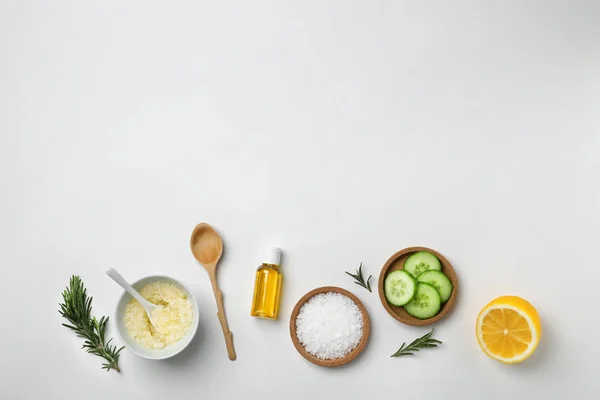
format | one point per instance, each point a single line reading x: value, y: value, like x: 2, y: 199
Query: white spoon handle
x: 123, y: 283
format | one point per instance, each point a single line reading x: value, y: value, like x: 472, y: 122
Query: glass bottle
x: 267, y: 286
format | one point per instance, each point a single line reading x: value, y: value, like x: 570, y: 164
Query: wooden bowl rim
x: 337, y: 361
x: 447, y: 269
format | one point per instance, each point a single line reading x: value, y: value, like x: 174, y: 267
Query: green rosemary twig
x: 419, y: 343
x: 359, y: 278
x: 77, y: 309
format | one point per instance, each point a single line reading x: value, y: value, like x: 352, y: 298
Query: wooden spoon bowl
x: 396, y: 262
x: 337, y: 361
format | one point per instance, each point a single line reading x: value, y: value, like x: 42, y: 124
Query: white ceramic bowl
x: 168, y: 351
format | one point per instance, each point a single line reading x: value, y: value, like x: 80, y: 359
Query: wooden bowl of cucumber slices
x: 418, y: 286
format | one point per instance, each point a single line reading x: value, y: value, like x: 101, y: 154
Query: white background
x: 340, y: 131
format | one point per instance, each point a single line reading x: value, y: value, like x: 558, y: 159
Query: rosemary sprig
x: 77, y: 309
x: 359, y: 278
x: 419, y: 343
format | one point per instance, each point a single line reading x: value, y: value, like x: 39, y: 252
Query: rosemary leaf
x: 77, y: 309
x: 423, y: 342
x: 360, y: 280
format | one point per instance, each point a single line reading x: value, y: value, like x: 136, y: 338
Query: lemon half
x: 508, y: 329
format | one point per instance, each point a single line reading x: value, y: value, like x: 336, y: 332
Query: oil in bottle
x: 267, y: 286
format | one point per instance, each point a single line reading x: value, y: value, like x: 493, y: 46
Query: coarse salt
x: 329, y: 325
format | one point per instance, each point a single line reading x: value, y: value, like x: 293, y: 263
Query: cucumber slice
x: 421, y: 261
x: 400, y: 288
x: 439, y: 281
x: 426, y: 302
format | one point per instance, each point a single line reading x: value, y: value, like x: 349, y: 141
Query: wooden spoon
x: 207, y: 247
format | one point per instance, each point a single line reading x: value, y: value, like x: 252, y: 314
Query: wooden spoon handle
x: 229, y: 344
x: 223, y: 320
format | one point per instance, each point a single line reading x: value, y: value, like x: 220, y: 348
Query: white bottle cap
x: 273, y: 256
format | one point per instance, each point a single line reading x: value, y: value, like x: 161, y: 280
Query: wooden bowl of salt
x: 329, y: 326
x: 396, y: 262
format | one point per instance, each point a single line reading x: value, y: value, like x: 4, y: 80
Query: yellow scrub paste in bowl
x: 175, y: 322
x: 172, y: 321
